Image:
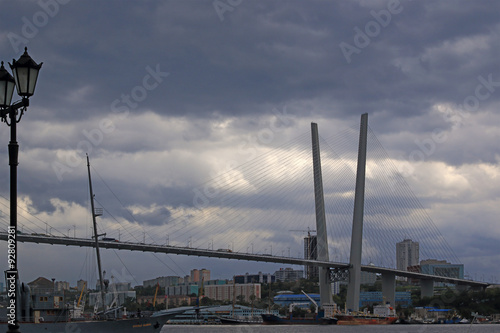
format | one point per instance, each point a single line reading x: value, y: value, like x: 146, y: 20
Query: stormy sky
x: 176, y: 99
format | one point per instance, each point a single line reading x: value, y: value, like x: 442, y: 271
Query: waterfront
x: 320, y: 329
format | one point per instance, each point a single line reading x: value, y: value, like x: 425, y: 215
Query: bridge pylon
x: 322, y: 236
x: 357, y: 221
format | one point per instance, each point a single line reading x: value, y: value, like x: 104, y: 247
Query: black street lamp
x: 25, y: 72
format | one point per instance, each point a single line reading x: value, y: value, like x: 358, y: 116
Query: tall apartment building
x: 81, y: 284
x: 407, y: 254
x: 311, y: 252
x: 198, y: 275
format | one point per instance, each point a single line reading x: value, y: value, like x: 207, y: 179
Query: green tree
x: 240, y: 299
x: 131, y: 304
x: 206, y: 301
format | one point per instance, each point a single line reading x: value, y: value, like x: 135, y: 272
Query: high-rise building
x: 407, y: 254
x: 81, y: 284
x: 198, y: 275
x: 311, y: 253
x: 195, y: 275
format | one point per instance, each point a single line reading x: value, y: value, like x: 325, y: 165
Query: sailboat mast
x: 234, y: 294
x: 269, y: 303
x: 101, y: 281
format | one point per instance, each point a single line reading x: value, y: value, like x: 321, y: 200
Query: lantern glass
x: 6, y: 87
x: 33, y: 76
x: 21, y: 76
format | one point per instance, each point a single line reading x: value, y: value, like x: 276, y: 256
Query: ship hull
x: 149, y: 324
x: 269, y: 319
x: 364, y: 320
x: 234, y: 321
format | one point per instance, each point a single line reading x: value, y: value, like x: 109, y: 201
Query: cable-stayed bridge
x: 247, y: 211
x: 167, y: 249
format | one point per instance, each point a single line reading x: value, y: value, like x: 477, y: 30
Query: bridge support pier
x: 426, y: 288
x: 357, y: 221
x: 389, y: 288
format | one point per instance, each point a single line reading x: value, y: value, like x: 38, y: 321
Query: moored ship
x: 382, y: 315
x: 151, y: 324
x: 362, y: 319
x: 270, y: 319
x: 319, y: 317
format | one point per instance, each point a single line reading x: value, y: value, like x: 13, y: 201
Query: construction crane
x: 312, y: 301
x: 309, y: 230
x: 81, y: 294
x: 156, y: 293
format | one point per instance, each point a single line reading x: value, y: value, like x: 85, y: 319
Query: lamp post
x: 25, y: 72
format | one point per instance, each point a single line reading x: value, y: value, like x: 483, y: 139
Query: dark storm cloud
x: 156, y: 217
x: 266, y: 52
x: 262, y: 53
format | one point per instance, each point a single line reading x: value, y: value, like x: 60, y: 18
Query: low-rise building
x: 442, y: 268
x: 228, y: 292
x: 301, y: 300
x: 41, y: 284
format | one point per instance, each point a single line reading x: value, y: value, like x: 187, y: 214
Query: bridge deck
x: 85, y: 242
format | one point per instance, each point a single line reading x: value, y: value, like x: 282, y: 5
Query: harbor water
x: 483, y: 328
